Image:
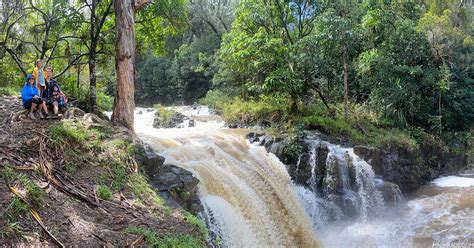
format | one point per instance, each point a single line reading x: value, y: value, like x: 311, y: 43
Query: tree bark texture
x: 124, y: 102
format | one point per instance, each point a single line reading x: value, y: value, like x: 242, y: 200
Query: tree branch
x: 17, y: 60
x: 72, y: 63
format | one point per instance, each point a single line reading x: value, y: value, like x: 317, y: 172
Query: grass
x: 150, y: 236
x: 164, y: 115
x: 247, y: 112
x: 61, y: 131
x: 33, y: 193
x: 143, y: 191
x: 10, y: 230
x: 362, y: 127
x: 10, y: 91
x: 69, y: 168
x: 15, y: 208
x: 76, y: 133
x: 168, y: 241
x: 190, y: 218
x: 365, y: 133
x: 121, y: 149
x: 179, y: 241
x: 119, y: 175
x: 104, y: 193
x: 8, y: 173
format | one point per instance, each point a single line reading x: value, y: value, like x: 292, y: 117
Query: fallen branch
x: 35, y: 215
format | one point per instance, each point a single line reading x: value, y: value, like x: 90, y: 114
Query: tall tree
x: 124, y: 102
x: 99, y: 11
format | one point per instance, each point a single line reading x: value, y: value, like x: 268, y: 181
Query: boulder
x: 180, y: 184
x: 253, y: 137
x: 172, y: 122
x: 191, y: 123
x: 72, y: 113
x: 302, y: 172
x: 390, y: 192
x: 94, y: 119
x: 372, y: 156
x: 152, y: 163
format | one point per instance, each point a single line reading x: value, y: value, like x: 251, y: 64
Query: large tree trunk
x: 124, y: 102
x: 346, y: 87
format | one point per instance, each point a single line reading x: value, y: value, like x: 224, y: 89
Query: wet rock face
x: 390, y: 192
x: 392, y: 166
x: 301, y: 173
x: 177, y: 186
x: 409, y: 170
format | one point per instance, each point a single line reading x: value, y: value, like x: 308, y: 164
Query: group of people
x: 42, y: 91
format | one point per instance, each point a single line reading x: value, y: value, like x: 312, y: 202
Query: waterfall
x: 248, y: 197
x: 349, y: 184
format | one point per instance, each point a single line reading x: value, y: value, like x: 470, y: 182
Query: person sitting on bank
x: 48, y: 94
x: 58, y: 96
x: 38, y: 73
x: 31, y: 99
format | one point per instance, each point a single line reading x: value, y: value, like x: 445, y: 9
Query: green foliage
x: 168, y: 241
x: 292, y: 144
x: 248, y: 112
x: 143, y: 191
x: 196, y: 222
x: 164, y: 115
x: 8, y: 173
x: 104, y: 101
x: 104, y: 192
x: 150, y: 236
x: 15, y: 209
x: 62, y: 132
x: 9, y: 91
x: 76, y: 134
x: 154, y: 80
x: 180, y: 240
x: 119, y: 175
x: 11, y: 229
x: 409, y: 66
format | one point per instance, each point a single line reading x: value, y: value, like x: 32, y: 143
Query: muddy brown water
x: 252, y: 202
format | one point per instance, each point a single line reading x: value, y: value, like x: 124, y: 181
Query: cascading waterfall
x: 349, y: 184
x: 247, y: 194
x: 250, y: 201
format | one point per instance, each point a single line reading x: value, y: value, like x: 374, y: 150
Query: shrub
x: 104, y: 101
x: 164, y: 115
x: 104, y: 193
x: 196, y: 222
x: 168, y: 241
x: 10, y: 91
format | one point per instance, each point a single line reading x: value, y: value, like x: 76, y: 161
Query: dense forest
x: 396, y: 64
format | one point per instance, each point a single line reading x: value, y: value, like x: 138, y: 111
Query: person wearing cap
x: 38, y: 73
x: 30, y: 98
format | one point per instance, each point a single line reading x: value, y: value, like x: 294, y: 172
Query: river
x: 249, y: 199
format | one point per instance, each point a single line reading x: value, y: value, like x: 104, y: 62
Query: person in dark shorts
x: 30, y: 98
x: 48, y: 92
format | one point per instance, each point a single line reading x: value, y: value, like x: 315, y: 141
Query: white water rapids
x: 250, y: 201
